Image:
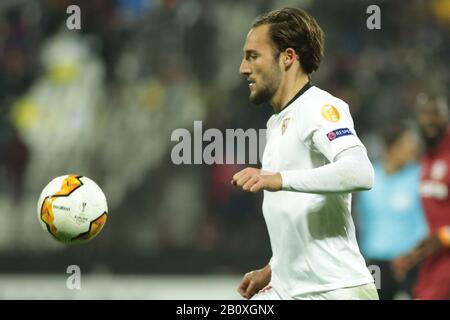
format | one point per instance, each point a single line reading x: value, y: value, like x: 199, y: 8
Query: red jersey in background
x: 434, y: 277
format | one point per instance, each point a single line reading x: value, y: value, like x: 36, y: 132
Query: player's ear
x: 289, y: 57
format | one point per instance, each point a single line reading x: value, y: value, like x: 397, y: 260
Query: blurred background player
x: 390, y: 219
x: 312, y: 162
x: 434, y: 251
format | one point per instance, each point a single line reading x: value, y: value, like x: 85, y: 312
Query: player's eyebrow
x: 249, y: 52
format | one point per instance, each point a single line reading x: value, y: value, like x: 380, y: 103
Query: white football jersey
x: 312, y: 235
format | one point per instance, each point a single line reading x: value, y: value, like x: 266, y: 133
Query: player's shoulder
x: 319, y: 97
x: 318, y: 102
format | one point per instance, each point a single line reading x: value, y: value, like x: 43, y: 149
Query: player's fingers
x: 243, y: 180
x: 242, y: 292
x: 250, y: 183
x: 234, y: 182
x: 399, y: 274
x: 395, y: 267
x: 240, y: 174
x: 245, y: 172
x: 400, y: 267
x: 245, y: 281
x: 257, y: 186
x: 242, y: 289
x: 251, y: 289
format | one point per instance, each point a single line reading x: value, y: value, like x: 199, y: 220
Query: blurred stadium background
x: 104, y: 100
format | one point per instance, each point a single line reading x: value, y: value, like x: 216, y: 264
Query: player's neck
x: 288, y: 89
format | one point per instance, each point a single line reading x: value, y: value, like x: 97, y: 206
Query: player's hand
x: 401, y: 265
x: 254, y: 180
x: 254, y: 281
x: 426, y: 248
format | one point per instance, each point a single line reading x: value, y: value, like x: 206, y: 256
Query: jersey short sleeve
x: 326, y: 126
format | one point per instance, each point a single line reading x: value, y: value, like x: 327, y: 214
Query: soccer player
x: 312, y: 162
x: 390, y: 216
x: 434, y: 251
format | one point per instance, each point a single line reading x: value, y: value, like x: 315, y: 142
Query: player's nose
x: 244, y: 68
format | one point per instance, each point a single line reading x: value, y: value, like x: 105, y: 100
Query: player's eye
x: 251, y: 56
